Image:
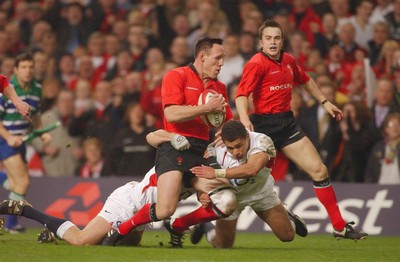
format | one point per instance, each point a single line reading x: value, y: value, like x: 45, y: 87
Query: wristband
x: 220, y: 173
x: 324, y: 101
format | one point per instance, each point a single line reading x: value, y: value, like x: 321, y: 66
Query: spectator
x: 120, y: 29
x: 30, y: 15
x: 49, y: 45
x: 347, y: 40
x: 14, y: 37
x: 138, y: 45
x: 393, y: 19
x: 41, y: 62
x: 93, y: 164
x: 355, y: 90
x: 357, y: 143
x: 381, y: 33
x: 384, y: 104
x: 66, y: 69
x: 304, y: 19
x: 39, y: 29
x: 51, y: 87
x: 7, y: 66
x: 134, y: 85
x: 60, y: 156
x: 103, y: 13
x: 363, y: 27
x: 328, y: 37
x: 4, y: 45
x: 131, y: 155
x: 384, y: 161
x: 386, y: 63
x: 85, y: 71
x: 247, y: 45
x: 122, y: 67
x: 233, y: 61
x: 74, y: 28
x: 382, y: 8
x: 100, y: 122
x: 112, y: 47
x: 179, y: 51
x: 212, y: 22
x: 341, y: 10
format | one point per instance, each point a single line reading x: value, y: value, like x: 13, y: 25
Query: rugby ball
x: 213, y: 120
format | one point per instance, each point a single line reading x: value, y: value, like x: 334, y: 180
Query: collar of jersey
x: 273, y: 60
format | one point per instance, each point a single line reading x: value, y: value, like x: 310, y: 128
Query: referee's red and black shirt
x: 271, y: 82
x: 183, y: 86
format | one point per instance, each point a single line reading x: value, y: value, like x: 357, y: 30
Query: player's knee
x: 319, y: 172
x: 224, y: 201
x: 287, y: 235
x: 164, y: 212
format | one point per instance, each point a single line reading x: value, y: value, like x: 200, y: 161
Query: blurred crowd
x: 101, y: 62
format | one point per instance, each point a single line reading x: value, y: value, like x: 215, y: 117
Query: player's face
x: 24, y: 71
x: 238, y: 148
x: 272, y: 42
x: 213, y: 61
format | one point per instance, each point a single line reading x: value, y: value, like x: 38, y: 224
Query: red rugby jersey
x: 183, y: 86
x: 271, y: 82
x: 3, y: 83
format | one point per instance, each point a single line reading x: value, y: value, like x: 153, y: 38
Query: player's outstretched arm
x: 254, y: 164
x: 313, y: 89
x: 160, y: 136
x: 242, y: 107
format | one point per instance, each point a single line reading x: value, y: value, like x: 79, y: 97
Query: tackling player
x: 120, y: 206
x: 253, y: 151
x: 270, y: 76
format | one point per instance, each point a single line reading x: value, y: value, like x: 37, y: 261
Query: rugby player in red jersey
x: 270, y: 76
x: 180, y: 90
x: 8, y: 90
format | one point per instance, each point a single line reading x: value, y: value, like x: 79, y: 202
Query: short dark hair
x: 269, y: 23
x: 23, y: 57
x: 233, y: 130
x: 206, y: 43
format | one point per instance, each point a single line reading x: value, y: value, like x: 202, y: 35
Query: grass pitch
x: 248, y: 247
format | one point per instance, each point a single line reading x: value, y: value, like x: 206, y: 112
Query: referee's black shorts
x: 281, y: 128
x: 169, y: 159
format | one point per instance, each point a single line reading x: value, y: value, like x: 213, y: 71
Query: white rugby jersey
x: 146, y: 190
x: 250, y: 186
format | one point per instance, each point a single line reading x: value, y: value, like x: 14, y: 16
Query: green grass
x: 248, y: 247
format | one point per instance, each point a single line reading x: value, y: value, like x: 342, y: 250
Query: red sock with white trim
x: 326, y: 195
x: 143, y: 216
x: 200, y: 215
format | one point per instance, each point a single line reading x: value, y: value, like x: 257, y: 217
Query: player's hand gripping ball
x: 213, y: 119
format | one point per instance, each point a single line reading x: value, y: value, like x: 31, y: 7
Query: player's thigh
x: 225, y: 232
x: 305, y: 156
x: 278, y: 220
x: 208, y: 185
x: 168, y: 190
x: 92, y: 234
